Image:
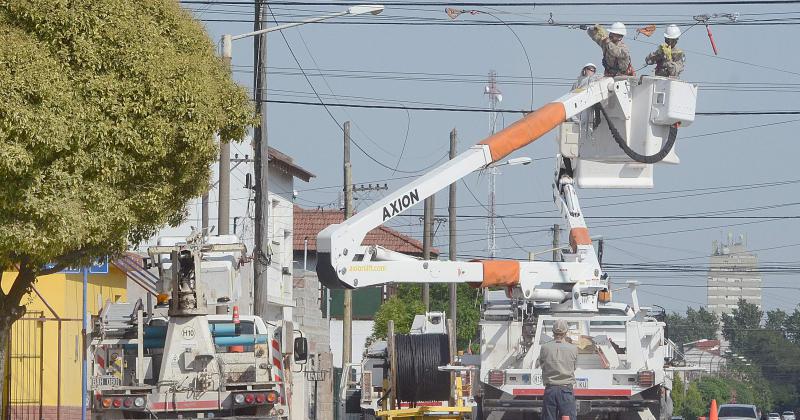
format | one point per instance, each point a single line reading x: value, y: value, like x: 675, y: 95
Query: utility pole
x: 223, y: 223
x: 204, y: 213
x: 347, y: 322
x: 261, y: 257
x: 451, y: 214
x: 495, y: 96
x: 600, y: 252
x: 224, y: 205
x: 427, y: 240
x: 556, y: 242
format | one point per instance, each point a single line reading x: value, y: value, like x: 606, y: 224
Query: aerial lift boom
x: 643, y: 112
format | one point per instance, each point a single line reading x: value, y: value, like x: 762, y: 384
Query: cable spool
x: 418, y: 359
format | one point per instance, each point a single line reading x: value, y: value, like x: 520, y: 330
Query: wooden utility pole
x: 427, y: 240
x: 556, y: 242
x: 451, y: 215
x: 347, y: 322
x: 600, y: 252
x: 261, y: 257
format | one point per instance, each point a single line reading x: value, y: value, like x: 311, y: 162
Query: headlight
x: 139, y: 402
x: 238, y: 398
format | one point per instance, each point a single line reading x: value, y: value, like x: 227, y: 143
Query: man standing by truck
x: 558, y: 359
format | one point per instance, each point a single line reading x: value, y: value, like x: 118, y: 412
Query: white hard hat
x: 618, y: 28
x: 673, y: 32
x: 560, y: 327
x: 589, y: 65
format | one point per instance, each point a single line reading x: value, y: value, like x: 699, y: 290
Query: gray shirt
x: 558, y: 361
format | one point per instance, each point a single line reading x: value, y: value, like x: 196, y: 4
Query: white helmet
x: 673, y: 32
x: 589, y: 65
x: 618, y: 28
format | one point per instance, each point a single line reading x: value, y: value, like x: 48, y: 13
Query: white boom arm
x: 343, y: 262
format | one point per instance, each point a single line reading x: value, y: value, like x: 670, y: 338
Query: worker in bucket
x: 587, y: 74
x: 558, y: 359
x: 668, y: 58
x: 616, y: 56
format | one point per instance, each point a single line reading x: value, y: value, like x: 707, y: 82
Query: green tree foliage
x: 408, y: 302
x: 399, y: 310
x: 107, y: 123
x: 693, y: 405
x: 695, y: 325
x: 678, y: 398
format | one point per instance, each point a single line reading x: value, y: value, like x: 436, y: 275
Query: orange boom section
x: 579, y: 236
x: 500, y: 273
x: 526, y: 130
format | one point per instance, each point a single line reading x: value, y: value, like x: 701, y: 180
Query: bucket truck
x: 611, y: 132
x: 201, y: 360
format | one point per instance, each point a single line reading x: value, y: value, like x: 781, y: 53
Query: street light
x: 261, y: 261
x: 227, y: 40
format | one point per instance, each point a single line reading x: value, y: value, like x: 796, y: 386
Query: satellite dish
x: 499, y: 97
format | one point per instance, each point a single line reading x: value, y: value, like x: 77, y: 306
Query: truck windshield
x: 737, y: 412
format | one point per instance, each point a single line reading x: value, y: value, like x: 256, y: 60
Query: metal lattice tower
x: 495, y: 97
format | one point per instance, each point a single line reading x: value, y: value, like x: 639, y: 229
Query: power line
x: 499, y: 4
x: 511, y: 111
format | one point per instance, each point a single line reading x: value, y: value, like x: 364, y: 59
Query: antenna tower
x: 495, y: 96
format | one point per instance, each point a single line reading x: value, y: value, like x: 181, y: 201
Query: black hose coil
x: 658, y: 157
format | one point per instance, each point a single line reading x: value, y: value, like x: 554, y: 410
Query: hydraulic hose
x: 658, y: 157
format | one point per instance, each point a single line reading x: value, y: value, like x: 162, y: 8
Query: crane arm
x: 340, y: 256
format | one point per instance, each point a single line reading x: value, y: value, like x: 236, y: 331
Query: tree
x: 693, y: 406
x: 677, y: 394
x: 696, y: 325
x: 776, y: 320
x: 107, y: 123
x: 399, y: 310
x: 407, y: 302
x: 740, y: 324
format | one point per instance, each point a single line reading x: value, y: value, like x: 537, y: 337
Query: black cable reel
x: 418, y: 359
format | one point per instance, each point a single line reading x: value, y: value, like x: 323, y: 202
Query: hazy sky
x: 428, y: 60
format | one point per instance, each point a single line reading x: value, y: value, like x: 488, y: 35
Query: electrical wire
x: 330, y: 114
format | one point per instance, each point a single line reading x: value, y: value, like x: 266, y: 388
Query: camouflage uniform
x: 669, y: 61
x: 616, y: 57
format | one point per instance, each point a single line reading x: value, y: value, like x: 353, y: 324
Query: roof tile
x: 309, y: 222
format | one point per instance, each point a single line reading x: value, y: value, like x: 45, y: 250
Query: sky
x: 738, y: 174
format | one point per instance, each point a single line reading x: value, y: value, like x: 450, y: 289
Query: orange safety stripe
x: 501, y: 273
x: 579, y: 236
x: 526, y: 130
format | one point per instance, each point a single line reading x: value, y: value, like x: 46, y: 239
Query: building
x: 307, y: 224
x: 705, y: 355
x: 733, y: 274
x: 43, y: 376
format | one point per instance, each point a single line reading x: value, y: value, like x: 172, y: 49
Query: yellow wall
x: 64, y: 293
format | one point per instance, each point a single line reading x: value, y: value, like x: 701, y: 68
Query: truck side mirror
x: 300, y: 350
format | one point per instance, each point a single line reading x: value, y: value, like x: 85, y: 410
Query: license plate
x: 105, y: 381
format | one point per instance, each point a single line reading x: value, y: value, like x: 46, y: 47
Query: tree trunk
x: 10, y: 312
x: 5, y: 333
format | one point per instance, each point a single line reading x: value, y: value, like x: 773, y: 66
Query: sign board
x: 98, y: 267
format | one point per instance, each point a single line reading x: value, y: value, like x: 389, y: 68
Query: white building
x: 733, y: 274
